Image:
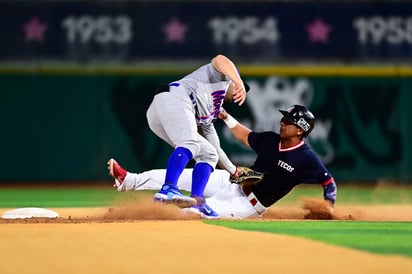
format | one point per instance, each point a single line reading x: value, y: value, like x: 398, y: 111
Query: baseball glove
x: 247, y: 177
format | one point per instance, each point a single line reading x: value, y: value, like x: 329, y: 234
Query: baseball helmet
x: 301, y: 117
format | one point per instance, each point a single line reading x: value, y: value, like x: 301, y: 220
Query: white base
x: 29, y: 212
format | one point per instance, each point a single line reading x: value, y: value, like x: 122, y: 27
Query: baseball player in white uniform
x: 229, y: 200
x: 183, y: 117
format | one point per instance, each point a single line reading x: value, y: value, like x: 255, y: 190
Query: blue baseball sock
x: 200, y: 177
x: 177, y: 162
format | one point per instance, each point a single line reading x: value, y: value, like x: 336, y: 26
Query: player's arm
x: 238, y: 130
x: 209, y: 132
x: 330, y: 191
x: 225, y: 66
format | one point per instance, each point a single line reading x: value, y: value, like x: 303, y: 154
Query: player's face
x: 288, y: 129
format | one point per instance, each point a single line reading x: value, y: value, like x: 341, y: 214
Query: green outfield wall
x: 62, y: 124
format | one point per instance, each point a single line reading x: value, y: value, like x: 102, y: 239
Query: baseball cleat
x: 204, y: 211
x: 170, y: 194
x: 117, y: 172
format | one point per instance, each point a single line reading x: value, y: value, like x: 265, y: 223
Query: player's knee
x: 193, y: 147
x: 212, y: 161
x: 210, y: 157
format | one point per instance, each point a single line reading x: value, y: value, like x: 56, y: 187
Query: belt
x: 253, y: 200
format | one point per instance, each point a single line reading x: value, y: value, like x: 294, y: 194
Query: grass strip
x: 355, y: 194
x: 56, y: 197
x: 376, y: 237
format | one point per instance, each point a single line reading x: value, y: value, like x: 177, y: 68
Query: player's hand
x: 222, y: 114
x: 239, y: 93
x: 246, y: 176
x: 236, y: 174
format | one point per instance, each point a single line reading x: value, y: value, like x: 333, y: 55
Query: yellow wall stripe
x: 246, y: 70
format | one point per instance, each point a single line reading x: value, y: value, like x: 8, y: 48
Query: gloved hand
x: 246, y: 176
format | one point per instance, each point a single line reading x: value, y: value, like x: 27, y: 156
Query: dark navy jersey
x: 284, y: 168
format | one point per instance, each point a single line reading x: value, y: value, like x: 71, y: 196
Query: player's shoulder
x: 205, y: 69
x: 306, y: 149
x: 309, y: 155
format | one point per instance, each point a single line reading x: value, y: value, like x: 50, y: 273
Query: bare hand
x: 236, y: 174
x: 239, y: 93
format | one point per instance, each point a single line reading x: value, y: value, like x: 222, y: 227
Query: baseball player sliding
x: 284, y: 159
x: 183, y: 115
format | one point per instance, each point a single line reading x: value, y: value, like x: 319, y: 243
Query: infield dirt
x: 148, y: 238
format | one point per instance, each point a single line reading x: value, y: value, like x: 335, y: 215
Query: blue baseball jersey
x: 284, y: 168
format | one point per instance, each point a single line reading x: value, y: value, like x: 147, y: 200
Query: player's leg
x: 230, y: 202
x: 170, y: 117
x: 218, y: 180
x: 180, y: 126
x: 153, y: 179
x: 154, y: 118
x: 206, y: 161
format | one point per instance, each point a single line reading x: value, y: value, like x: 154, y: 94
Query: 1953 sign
x: 100, y: 29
